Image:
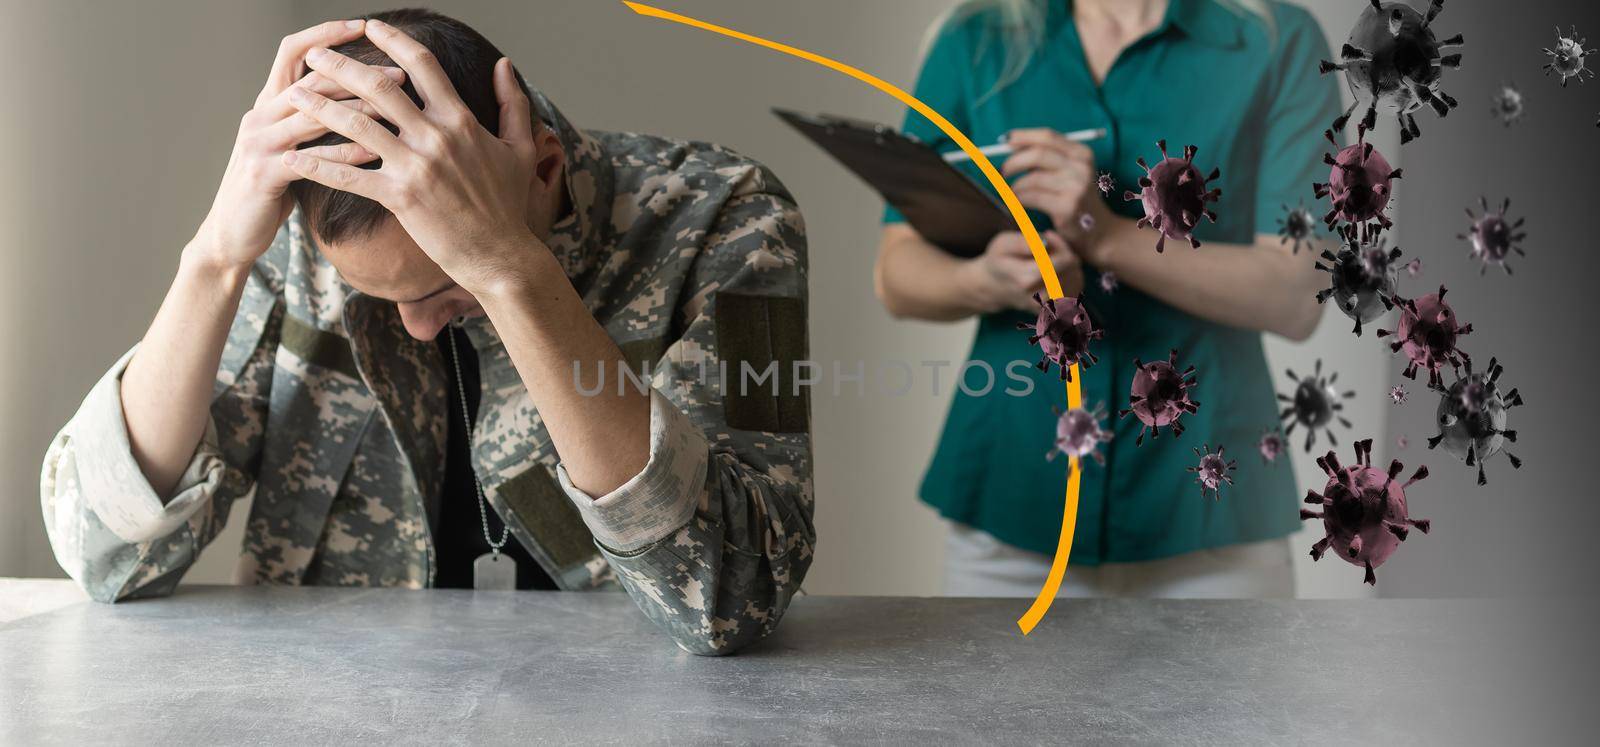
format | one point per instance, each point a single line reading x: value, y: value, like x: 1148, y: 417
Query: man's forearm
x: 167, y: 387
x: 604, y: 438
x: 1253, y: 286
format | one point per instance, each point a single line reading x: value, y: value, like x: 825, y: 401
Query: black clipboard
x: 939, y: 201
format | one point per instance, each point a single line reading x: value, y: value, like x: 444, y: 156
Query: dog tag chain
x: 493, y: 570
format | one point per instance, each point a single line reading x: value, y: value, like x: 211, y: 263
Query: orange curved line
x: 1041, y: 257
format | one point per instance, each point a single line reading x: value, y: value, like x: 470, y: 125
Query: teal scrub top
x: 1251, y: 98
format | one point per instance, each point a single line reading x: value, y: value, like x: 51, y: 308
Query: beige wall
x: 102, y: 193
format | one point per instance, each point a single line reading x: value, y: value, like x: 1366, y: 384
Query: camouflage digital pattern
x: 334, y: 417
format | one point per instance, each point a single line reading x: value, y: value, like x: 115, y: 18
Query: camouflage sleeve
x: 715, y: 535
x: 109, y: 529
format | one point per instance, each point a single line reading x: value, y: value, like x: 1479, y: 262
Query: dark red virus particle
x: 1472, y: 418
x: 1508, y: 105
x: 1393, y: 57
x: 1078, y: 434
x: 1363, y: 278
x: 1160, y: 395
x: 1427, y: 334
x: 1108, y: 281
x: 1212, y: 472
x: 1063, y: 330
x: 1106, y: 184
x: 1175, y: 196
x: 1398, y: 394
x: 1569, y: 59
x: 1271, y: 445
x: 1315, y: 404
x: 1297, y: 225
x: 1493, y: 236
x: 1363, y: 510
x: 1360, y: 185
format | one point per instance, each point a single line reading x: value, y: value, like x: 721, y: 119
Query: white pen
x: 1004, y: 149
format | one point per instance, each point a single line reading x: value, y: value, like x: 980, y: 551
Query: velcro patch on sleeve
x: 760, y: 338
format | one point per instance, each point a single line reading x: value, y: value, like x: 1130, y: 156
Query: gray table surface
x: 238, y: 665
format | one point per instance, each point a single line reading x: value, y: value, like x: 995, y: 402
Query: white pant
x: 978, y: 565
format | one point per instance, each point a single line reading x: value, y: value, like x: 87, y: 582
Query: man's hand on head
x: 460, y: 191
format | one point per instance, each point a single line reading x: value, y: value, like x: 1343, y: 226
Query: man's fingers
x: 367, y: 83
x: 286, y: 66
x: 321, y: 84
x: 367, y: 183
x: 300, y: 127
x: 516, y: 112
x: 360, y: 128
x: 350, y: 153
x: 427, y: 77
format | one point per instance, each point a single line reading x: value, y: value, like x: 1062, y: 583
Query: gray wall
x: 1527, y: 531
x: 101, y: 242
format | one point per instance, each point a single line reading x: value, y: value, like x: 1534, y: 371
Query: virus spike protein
x: 1393, y: 57
x: 1160, y: 396
x: 1212, y: 472
x: 1175, y: 196
x: 1364, y: 510
x: 1063, y: 331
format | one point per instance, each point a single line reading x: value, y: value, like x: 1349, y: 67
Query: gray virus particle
x: 1078, y: 434
x: 1494, y: 237
x: 1297, y: 225
x: 1106, y: 184
x: 1398, y: 394
x: 1394, y: 58
x: 1314, y: 404
x: 1174, y: 196
x: 1212, y: 472
x: 1364, y: 510
x: 1108, y: 281
x: 1271, y: 445
x: 1472, y: 418
x: 1363, y: 278
x: 1063, y: 330
x: 1508, y: 105
x: 1568, y: 59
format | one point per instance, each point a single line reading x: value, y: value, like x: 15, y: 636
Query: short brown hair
x: 468, y: 60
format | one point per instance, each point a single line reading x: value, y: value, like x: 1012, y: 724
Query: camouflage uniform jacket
x: 692, y: 258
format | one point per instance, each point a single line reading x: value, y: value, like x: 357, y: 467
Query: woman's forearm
x: 167, y: 386
x: 1261, y: 286
x: 917, y: 280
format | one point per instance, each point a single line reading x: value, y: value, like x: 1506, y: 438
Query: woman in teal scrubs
x: 1239, y: 79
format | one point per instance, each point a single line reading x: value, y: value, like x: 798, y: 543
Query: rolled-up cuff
x: 661, y: 498
x: 113, y: 485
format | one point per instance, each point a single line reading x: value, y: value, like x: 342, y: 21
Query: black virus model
x: 1360, y: 185
x: 1160, y: 395
x: 1175, y: 196
x: 1472, y: 418
x: 1508, y: 105
x: 1427, y: 334
x: 1363, y: 278
x: 1078, y: 434
x: 1297, y: 225
x: 1569, y: 59
x: 1493, y: 236
x: 1063, y: 330
x: 1314, y: 405
x: 1212, y: 472
x: 1363, y: 510
x: 1271, y: 445
x: 1394, y: 58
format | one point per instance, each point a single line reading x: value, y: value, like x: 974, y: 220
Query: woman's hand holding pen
x: 1058, y: 179
x: 1005, y: 276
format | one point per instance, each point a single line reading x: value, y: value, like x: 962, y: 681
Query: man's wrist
x: 202, y: 258
x: 530, y: 269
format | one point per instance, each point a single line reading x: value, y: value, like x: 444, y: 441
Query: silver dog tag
x: 494, y: 571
